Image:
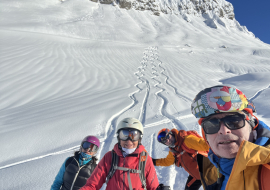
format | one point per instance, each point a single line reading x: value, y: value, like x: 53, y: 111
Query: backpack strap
x: 113, y: 164
x: 140, y: 171
x: 264, y: 175
x: 142, y: 163
x: 128, y: 174
x: 264, y: 170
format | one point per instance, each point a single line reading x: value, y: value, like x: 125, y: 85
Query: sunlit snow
x: 74, y: 68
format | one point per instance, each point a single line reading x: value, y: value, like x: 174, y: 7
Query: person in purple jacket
x: 76, y: 169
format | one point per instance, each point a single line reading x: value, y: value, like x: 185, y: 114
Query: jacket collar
x: 136, y: 152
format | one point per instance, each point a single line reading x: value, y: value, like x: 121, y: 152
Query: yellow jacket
x: 191, y: 142
x: 245, y: 171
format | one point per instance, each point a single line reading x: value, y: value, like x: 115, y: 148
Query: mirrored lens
x: 90, y: 146
x: 133, y: 135
x: 162, y: 136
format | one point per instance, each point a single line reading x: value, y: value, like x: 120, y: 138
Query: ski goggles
x: 232, y: 122
x: 129, y: 134
x: 163, y: 136
x: 89, y: 146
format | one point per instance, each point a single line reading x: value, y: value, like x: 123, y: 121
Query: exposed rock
x: 125, y: 4
x: 106, y: 1
x: 220, y: 8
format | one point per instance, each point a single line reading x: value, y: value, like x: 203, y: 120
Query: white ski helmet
x: 130, y: 123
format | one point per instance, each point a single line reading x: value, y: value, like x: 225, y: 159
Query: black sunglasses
x: 233, y: 122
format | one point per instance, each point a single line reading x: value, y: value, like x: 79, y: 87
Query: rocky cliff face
x: 220, y: 8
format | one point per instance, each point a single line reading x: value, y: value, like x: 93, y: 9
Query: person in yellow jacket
x: 239, y: 142
x: 184, y: 147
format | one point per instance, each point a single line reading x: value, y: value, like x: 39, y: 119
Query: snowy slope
x: 75, y: 68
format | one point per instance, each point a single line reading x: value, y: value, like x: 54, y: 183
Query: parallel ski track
x: 150, y: 57
x: 142, y: 115
x: 174, y: 88
x: 176, y: 123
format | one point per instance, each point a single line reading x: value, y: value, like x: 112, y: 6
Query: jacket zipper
x: 76, y: 174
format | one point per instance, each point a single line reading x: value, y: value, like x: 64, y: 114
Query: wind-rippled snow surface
x: 76, y: 68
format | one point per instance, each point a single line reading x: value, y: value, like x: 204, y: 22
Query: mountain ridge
x: 221, y: 8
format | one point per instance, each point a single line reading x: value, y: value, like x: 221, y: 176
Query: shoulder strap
x: 141, y: 170
x: 181, y: 136
x: 142, y: 163
x: 264, y: 176
x: 113, y: 164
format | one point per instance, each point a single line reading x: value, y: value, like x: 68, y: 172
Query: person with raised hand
x: 76, y: 169
x: 184, y: 147
x: 239, y: 143
x: 128, y: 165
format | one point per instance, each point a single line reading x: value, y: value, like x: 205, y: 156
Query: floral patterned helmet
x: 217, y: 99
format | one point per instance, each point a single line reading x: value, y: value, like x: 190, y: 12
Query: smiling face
x: 225, y: 143
x: 129, y: 144
x: 170, y: 141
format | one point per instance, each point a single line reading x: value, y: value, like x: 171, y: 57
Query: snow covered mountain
x: 76, y: 67
x: 215, y: 12
x: 220, y: 8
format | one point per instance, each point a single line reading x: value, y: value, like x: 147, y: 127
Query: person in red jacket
x: 128, y: 149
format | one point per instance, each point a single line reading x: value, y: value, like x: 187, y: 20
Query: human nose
x: 86, y: 150
x: 167, y: 141
x: 223, y: 128
x: 128, y: 141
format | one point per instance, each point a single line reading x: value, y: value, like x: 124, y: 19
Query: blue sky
x: 255, y: 15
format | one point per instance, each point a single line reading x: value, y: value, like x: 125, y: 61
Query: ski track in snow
x: 150, y: 58
x: 259, y: 92
x: 176, y: 123
x: 151, y: 146
x: 174, y: 88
